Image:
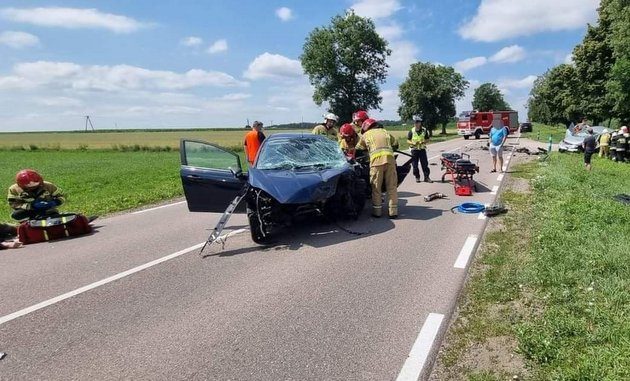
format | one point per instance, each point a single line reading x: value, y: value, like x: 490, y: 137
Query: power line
x: 88, y: 120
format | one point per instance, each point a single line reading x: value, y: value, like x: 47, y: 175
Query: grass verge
x: 98, y: 182
x: 549, y: 294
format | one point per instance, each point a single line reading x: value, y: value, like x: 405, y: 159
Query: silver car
x: 573, y: 142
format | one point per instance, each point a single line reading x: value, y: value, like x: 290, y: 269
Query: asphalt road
x: 321, y: 304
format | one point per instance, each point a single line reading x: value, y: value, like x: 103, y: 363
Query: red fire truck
x: 476, y: 123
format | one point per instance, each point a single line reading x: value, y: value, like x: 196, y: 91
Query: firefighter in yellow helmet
x: 380, y: 146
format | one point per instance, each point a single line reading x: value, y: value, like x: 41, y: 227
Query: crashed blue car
x: 295, y: 175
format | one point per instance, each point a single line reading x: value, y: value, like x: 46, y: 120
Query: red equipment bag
x: 463, y: 190
x: 50, y: 228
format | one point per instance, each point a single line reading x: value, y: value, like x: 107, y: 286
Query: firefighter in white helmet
x: 328, y: 127
x: 380, y: 146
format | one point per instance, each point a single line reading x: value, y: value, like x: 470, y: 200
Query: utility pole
x: 87, y: 120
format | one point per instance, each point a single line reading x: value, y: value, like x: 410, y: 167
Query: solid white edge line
x: 158, y: 207
x: 466, y: 251
x: 421, y: 348
x: 495, y: 189
x: 94, y: 285
x: 481, y: 216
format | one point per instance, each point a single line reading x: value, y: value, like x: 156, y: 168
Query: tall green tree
x: 593, y: 60
x: 431, y: 90
x: 488, y: 97
x: 553, y: 98
x: 617, y: 13
x: 345, y: 63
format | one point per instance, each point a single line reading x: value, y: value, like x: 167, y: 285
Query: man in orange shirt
x: 253, y: 140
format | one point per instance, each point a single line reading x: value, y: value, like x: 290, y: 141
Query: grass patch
x: 98, y: 182
x: 554, y: 279
x: 541, y: 133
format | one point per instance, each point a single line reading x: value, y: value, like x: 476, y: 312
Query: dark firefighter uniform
x: 622, y: 146
x: 380, y: 144
x: 22, y: 200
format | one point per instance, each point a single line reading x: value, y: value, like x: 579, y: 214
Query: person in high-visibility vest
x: 253, y: 140
x: 380, y: 146
x: 328, y: 127
x: 349, y: 140
x: 604, y: 143
x: 417, y: 139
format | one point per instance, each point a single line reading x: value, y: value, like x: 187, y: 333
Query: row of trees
x: 597, y: 83
x: 346, y: 62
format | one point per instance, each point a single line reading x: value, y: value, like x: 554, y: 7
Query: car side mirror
x: 238, y: 174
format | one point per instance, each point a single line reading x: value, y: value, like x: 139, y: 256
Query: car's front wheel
x: 466, y: 137
x: 256, y: 227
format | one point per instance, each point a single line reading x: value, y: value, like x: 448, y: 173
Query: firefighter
x: 380, y: 146
x: 622, y: 144
x: 357, y: 120
x: 604, y: 143
x: 349, y: 140
x: 417, y: 138
x: 328, y: 127
x: 614, y: 137
x: 253, y: 140
x: 32, y: 197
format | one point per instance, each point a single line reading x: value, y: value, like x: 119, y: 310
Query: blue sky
x: 176, y: 64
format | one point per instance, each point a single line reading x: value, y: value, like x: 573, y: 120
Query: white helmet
x: 605, y: 131
x: 624, y: 129
x: 614, y: 134
x: 331, y: 116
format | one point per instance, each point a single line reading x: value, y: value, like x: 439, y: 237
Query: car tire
x: 256, y: 229
x: 477, y: 135
x: 466, y: 137
x: 358, y: 196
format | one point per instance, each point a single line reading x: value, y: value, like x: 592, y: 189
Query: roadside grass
x: 98, y: 182
x: 554, y: 280
x: 541, y: 132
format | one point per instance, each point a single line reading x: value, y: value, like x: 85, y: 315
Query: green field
x: 98, y: 182
x: 554, y: 280
x: 541, y: 133
x: 101, y: 181
x: 143, y: 140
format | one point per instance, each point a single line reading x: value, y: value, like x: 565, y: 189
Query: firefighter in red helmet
x: 349, y: 140
x: 32, y: 197
x: 358, y: 118
x: 380, y: 146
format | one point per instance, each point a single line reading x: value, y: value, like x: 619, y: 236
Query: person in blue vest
x: 417, y: 139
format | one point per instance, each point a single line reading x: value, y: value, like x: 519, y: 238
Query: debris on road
x: 2, y: 355
x: 434, y: 196
x: 469, y: 208
x: 494, y: 210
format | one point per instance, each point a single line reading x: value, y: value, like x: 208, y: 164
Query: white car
x: 573, y: 143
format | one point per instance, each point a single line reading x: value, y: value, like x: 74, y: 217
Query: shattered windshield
x: 300, y: 152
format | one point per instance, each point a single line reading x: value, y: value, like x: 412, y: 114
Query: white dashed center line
x: 464, y: 254
x: 414, y: 364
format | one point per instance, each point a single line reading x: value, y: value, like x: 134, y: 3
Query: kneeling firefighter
x: 32, y: 197
x: 380, y: 146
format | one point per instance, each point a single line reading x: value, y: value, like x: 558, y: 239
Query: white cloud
x: 376, y: 9
x: 509, y: 54
x: 66, y: 75
x: 502, y: 19
x: 72, y: 18
x: 218, y: 46
x: 269, y: 65
x: 284, y: 13
x: 390, y: 104
x: 18, y: 40
x: 390, y: 31
x: 59, y: 102
x: 404, y: 54
x: 236, y: 97
x: 470, y: 63
x: 523, y: 83
x: 191, y: 41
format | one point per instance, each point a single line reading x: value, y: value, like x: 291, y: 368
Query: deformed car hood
x: 297, y: 186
